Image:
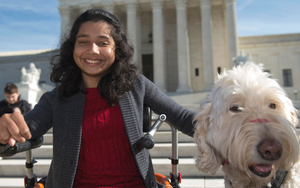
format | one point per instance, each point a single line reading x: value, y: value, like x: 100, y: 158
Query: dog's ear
x: 291, y: 111
x: 207, y: 160
x: 294, y: 118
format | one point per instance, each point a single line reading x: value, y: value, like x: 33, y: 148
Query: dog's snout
x: 270, y: 149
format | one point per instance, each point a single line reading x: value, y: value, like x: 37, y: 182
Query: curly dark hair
x: 121, y: 75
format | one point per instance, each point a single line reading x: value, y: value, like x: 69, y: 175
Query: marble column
x: 207, y: 45
x: 231, y: 30
x: 132, y: 26
x: 109, y: 6
x: 138, y: 48
x: 184, y: 81
x: 65, y: 21
x: 84, y: 7
x: 158, y: 45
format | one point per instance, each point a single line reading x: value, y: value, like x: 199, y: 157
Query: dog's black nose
x: 270, y: 149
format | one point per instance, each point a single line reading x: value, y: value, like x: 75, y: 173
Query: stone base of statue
x: 29, y: 93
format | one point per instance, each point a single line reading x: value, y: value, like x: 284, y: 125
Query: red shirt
x: 105, y: 158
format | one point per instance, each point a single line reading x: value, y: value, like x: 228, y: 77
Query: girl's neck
x: 90, y: 83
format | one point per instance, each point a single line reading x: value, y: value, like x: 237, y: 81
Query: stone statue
x: 31, y: 75
x: 29, y: 87
x: 241, y: 60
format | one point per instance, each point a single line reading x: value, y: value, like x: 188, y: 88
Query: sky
x: 35, y: 24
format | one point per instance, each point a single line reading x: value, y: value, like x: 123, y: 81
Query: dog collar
x: 225, y: 161
x: 275, y: 183
x: 260, y: 121
x: 280, y: 175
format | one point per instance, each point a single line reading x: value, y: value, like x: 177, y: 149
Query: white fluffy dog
x: 247, y: 124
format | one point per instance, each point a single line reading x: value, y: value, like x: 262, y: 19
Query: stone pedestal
x: 29, y: 93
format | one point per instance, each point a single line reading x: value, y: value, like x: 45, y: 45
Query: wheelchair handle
x: 7, y: 151
x: 148, y: 141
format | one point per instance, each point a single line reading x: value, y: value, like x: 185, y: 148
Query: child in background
x: 13, y: 101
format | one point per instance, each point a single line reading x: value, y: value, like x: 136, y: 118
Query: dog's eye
x: 272, y: 105
x: 235, y: 108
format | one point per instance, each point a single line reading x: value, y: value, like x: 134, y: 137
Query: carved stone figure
x: 31, y: 75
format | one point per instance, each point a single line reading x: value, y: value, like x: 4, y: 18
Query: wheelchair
x: 147, y: 142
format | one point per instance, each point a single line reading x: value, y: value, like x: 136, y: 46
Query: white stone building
x: 180, y: 44
x: 281, y: 56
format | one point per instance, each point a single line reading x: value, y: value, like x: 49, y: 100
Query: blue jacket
x: 65, y: 116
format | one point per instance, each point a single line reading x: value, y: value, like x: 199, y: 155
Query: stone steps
x: 204, y: 182
x: 12, y: 170
x: 16, y: 167
x: 186, y: 167
x: 159, y: 150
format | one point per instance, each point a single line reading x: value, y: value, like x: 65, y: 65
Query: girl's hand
x: 13, y: 128
x: 16, y: 109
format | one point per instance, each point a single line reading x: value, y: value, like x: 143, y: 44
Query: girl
x: 96, y: 110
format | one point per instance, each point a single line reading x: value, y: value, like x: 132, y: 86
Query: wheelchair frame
x: 147, y: 142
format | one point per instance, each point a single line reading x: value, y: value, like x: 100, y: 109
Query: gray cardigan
x: 65, y: 116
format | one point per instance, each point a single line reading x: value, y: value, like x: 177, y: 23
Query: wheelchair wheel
x: 162, y: 180
x: 39, y: 185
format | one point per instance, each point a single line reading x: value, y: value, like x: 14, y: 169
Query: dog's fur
x: 225, y: 129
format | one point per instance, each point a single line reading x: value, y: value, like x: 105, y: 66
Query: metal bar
x: 29, y: 159
x: 162, y: 118
x: 174, y: 150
